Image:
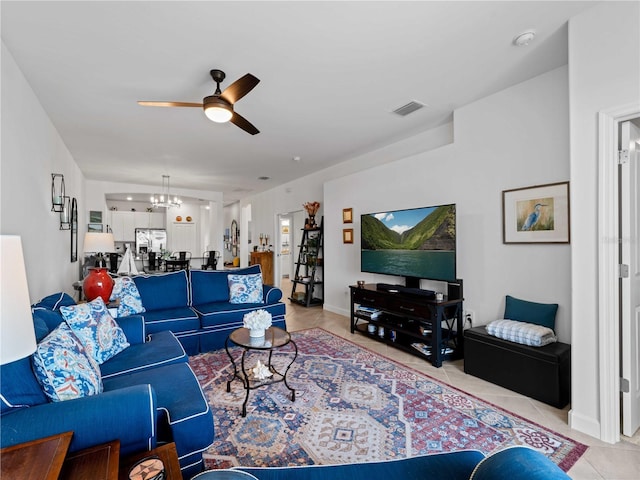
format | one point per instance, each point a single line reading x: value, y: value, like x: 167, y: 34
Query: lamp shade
x: 17, y: 335
x: 96, y: 242
x: 217, y: 110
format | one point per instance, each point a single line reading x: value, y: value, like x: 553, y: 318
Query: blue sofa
x: 150, y: 396
x: 514, y: 463
x: 195, y: 305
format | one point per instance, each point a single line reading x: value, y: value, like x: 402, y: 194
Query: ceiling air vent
x: 410, y: 107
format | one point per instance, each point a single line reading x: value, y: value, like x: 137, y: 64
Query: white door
x: 183, y: 238
x: 285, y: 247
x: 630, y: 283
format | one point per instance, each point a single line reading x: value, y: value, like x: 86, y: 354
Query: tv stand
x: 387, y: 287
x: 415, y: 323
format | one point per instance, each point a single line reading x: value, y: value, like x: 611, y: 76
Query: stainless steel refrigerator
x: 150, y: 240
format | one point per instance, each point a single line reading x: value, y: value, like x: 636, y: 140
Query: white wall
x: 288, y: 198
x: 31, y: 151
x: 515, y: 138
x: 604, y: 73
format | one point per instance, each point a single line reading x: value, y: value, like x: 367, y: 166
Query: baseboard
x: 584, y: 424
x: 336, y: 310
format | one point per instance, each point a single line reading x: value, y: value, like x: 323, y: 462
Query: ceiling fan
x: 219, y: 106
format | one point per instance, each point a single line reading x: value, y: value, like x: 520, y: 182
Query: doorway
x: 629, y: 209
x: 616, y: 342
x: 288, y: 237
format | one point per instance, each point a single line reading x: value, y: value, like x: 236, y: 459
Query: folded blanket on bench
x: 522, y: 332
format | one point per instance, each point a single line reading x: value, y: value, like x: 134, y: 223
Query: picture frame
x: 94, y: 227
x: 347, y: 215
x: 347, y: 235
x: 95, y: 216
x: 536, y: 214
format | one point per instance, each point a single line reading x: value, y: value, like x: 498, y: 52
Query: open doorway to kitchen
x: 288, y: 235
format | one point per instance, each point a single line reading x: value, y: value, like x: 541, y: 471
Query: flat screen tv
x: 414, y: 243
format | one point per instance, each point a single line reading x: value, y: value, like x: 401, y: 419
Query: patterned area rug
x: 354, y: 405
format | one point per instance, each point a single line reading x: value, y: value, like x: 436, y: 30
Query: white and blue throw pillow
x: 101, y: 336
x: 245, y: 288
x: 63, y: 368
x: 128, y: 296
x: 521, y: 332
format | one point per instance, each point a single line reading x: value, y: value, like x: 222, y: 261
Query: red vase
x: 98, y: 284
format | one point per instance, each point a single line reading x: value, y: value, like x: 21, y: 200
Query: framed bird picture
x: 538, y: 214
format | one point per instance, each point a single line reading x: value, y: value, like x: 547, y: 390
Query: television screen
x: 413, y: 243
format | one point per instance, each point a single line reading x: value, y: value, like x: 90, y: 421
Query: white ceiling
x: 331, y: 73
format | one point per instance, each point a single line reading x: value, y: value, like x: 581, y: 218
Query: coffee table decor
x: 257, y: 322
x: 261, y: 371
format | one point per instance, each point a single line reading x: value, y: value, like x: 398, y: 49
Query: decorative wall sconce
x: 57, y: 192
x: 65, y: 214
x: 74, y: 230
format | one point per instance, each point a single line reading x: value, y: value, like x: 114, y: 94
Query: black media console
x: 411, y: 319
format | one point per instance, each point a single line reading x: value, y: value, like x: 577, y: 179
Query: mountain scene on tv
x: 428, y: 229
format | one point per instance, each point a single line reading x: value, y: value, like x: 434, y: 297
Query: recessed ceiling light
x: 524, y: 38
x: 129, y: 198
x: 296, y: 159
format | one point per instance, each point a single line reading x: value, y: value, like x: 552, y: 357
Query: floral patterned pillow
x: 101, y: 336
x: 245, y: 288
x: 63, y: 368
x: 125, y: 290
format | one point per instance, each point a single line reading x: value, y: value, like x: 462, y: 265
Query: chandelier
x: 164, y: 200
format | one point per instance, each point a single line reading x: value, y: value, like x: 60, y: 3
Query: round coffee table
x: 275, y: 338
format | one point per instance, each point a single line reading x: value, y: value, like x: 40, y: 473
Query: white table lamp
x: 99, y: 243
x: 17, y: 334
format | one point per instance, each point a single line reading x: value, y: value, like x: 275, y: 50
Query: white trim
x: 584, y: 423
x: 608, y: 295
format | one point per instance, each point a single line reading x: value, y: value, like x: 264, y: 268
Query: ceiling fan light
x: 217, y: 110
x: 218, y: 114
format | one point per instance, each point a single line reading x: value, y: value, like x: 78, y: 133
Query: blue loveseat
x: 150, y: 395
x: 513, y: 463
x: 196, y: 305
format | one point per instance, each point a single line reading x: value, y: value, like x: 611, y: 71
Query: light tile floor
x: 601, y: 461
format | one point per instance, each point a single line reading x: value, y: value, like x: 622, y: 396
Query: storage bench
x: 543, y: 373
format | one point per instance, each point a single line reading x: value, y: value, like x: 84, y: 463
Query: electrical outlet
x: 469, y: 317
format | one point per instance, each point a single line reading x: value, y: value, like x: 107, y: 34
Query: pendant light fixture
x: 164, y: 199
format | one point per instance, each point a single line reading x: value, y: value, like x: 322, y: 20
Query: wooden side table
x: 36, y: 460
x: 98, y: 463
x: 167, y: 453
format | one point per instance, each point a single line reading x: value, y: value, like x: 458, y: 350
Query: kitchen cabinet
x: 124, y: 224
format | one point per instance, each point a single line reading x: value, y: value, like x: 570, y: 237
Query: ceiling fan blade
x: 169, y: 104
x: 239, y: 121
x: 239, y: 88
